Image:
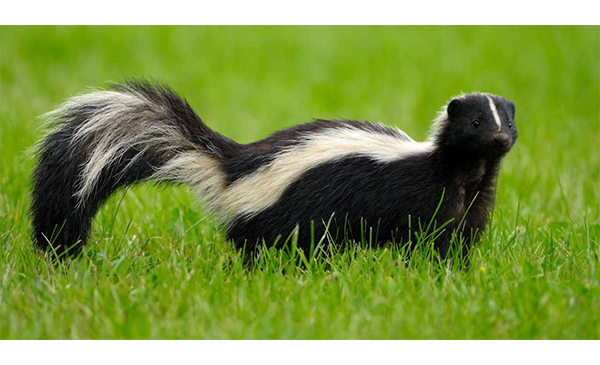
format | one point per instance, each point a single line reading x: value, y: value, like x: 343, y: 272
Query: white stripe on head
x: 494, y: 112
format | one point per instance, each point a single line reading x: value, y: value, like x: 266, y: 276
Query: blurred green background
x: 247, y: 82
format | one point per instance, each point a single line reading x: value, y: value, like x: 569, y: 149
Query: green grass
x: 158, y: 265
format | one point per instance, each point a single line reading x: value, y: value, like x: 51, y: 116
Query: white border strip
x: 326, y: 352
x: 307, y: 12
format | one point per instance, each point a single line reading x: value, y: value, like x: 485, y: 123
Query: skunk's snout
x: 501, y: 139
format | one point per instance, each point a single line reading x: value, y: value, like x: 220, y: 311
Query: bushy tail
x: 110, y: 139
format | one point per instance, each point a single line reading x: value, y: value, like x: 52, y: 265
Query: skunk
x: 342, y: 178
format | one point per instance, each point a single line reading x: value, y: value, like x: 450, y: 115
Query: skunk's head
x: 481, y: 124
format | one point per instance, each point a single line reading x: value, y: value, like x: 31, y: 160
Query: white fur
x: 259, y: 190
x: 124, y: 120
x: 494, y: 112
x: 264, y: 187
x: 200, y: 171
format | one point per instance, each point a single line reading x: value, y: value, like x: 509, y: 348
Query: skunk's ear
x: 454, y: 108
x: 511, y: 109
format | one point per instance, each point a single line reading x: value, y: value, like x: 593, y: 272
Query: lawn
x: 158, y: 265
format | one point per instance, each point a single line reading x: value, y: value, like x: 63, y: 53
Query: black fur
x: 355, y: 194
x: 181, y: 115
x: 361, y: 194
x: 252, y: 156
x: 59, y: 223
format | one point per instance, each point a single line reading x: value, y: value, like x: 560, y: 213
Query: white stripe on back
x: 263, y: 188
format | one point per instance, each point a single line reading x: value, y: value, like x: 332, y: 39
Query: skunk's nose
x: 501, y: 139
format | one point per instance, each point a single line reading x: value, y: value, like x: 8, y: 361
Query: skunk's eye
x: 476, y: 123
x: 509, y: 125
